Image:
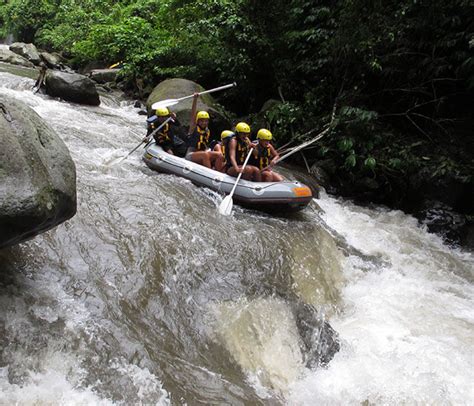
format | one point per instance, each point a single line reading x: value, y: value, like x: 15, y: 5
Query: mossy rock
x: 177, y: 88
x: 37, y: 175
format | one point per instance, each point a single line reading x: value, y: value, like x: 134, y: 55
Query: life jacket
x: 264, y: 156
x: 225, y: 149
x: 163, y: 135
x: 203, y: 139
x: 242, y: 150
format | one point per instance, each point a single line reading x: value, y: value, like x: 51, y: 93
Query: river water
x: 147, y: 296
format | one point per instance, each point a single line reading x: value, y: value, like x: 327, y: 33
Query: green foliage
x: 370, y: 163
x: 357, y: 115
x: 345, y: 144
x: 351, y: 160
x: 281, y: 120
x: 24, y: 17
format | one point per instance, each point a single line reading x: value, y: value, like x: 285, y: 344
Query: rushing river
x: 147, y: 296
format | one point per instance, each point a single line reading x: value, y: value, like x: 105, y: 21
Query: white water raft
x: 286, y: 196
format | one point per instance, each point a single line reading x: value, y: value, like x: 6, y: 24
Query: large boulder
x: 72, y: 87
x: 27, y: 51
x: 37, y: 175
x: 176, y: 88
x: 10, y: 57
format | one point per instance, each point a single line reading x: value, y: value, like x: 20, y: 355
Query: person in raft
x: 222, y: 146
x: 199, y: 137
x: 266, y: 156
x: 166, y: 137
x: 239, y: 147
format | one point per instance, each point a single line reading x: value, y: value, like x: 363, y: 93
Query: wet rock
x: 53, y: 61
x: 18, y: 70
x: 176, y: 88
x: 11, y: 57
x: 103, y: 75
x: 320, y: 175
x: 442, y: 219
x: 37, y: 175
x: 27, y: 51
x: 324, y: 172
x: 319, y: 340
x: 72, y: 87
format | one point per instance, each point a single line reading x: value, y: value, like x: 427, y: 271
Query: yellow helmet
x: 202, y: 114
x: 162, y: 112
x: 264, y: 134
x: 242, y: 128
x: 226, y: 133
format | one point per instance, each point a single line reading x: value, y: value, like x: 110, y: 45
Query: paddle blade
x: 225, y: 208
x: 113, y: 161
x: 164, y: 103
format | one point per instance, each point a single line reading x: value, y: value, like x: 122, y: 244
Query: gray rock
x: 320, y: 342
x: 320, y: 175
x: 72, y: 87
x: 27, y: 51
x: 104, y: 75
x: 10, y: 57
x: 53, y: 61
x: 442, y: 219
x: 176, y: 88
x: 37, y: 175
x: 22, y: 71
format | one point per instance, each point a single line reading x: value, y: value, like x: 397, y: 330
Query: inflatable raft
x: 286, y: 196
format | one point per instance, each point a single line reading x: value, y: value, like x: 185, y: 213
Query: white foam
x: 148, y: 387
x: 406, y: 328
x: 53, y: 385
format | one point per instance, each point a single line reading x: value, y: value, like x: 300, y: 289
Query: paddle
x: 172, y: 102
x: 146, y: 139
x: 225, y: 208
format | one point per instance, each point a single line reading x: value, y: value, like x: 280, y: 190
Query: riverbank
x: 431, y: 179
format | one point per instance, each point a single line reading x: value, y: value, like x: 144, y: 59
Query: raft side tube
x: 266, y: 196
